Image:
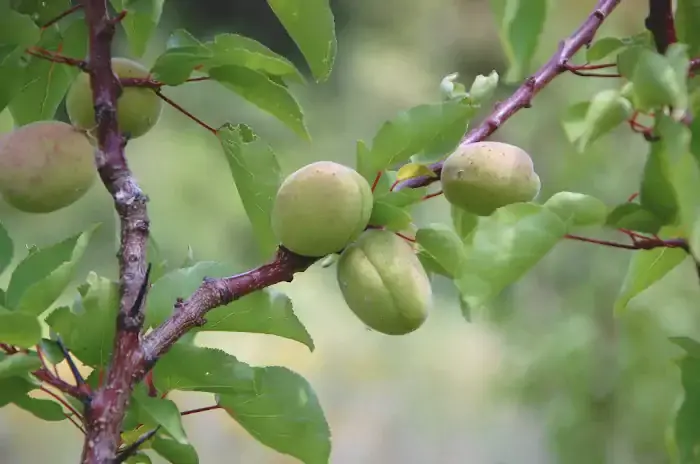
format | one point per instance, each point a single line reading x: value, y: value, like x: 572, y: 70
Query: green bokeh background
x: 546, y: 374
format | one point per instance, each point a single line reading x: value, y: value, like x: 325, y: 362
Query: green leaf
x: 90, y: 334
x: 282, y: 413
x: 47, y: 410
x: 174, y: 452
x: 45, y: 83
x: 39, y: 10
x: 412, y: 131
x: 142, y: 17
x: 17, y: 27
x: 234, y: 49
x: 311, y: 25
x: 520, y: 24
x: 687, y: 22
x: 404, y: 197
x: 443, y: 247
x: 13, y: 63
x: 503, y: 247
x: 266, y: 94
x: 392, y: 217
x: 607, y: 110
x: 13, y: 387
x: 657, y: 194
x: 51, y: 351
x: 155, y: 256
x: 139, y: 458
x: 634, y: 216
x: 257, y: 175
x: 188, y: 367
x: 686, y: 423
x: 603, y: 48
x: 658, y: 80
x: 20, y: 329
x: 577, y: 209
x: 175, y: 65
x: 7, y: 249
x: 463, y: 221
x: 645, y: 269
x: 43, y: 276
x: 18, y: 364
x: 265, y: 311
x: 163, y: 412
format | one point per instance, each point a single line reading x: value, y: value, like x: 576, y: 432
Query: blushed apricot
x: 481, y: 177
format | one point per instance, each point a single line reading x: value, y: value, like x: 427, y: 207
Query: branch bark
x: 661, y: 24
x: 105, y: 410
x: 134, y: 356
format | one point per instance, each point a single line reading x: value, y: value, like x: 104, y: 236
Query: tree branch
x: 105, y: 411
x: 523, y: 96
x: 661, y: 24
x: 133, y: 356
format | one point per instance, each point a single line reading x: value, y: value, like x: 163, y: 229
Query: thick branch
x: 532, y: 85
x: 661, y: 24
x: 105, y: 411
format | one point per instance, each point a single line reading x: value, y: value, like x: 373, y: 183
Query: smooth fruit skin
x: 484, y: 176
x: 45, y: 166
x: 320, y: 208
x: 138, y: 109
x: 384, y: 283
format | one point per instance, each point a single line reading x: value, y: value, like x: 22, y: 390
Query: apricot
x: 138, y: 108
x: 320, y: 208
x: 484, y: 176
x: 384, y: 283
x: 45, y: 166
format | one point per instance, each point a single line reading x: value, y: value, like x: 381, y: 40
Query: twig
x: 105, y: 412
x: 531, y: 87
x: 130, y: 450
x: 153, y: 84
x: 660, y: 23
x: 79, y: 380
x: 640, y: 244
x: 49, y: 378
x: 63, y: 402
x: 185, y: 112
x: 70, y: 10
x: 198, y: 410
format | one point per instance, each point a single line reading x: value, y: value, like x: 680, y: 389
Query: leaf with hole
x: 282, y: 412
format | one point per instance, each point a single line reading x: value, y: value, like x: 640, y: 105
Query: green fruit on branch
x: 384, y: 283
x: 321, y: 208
x: 138, y: 108
x: 484, y: 176
x: 45, y: 166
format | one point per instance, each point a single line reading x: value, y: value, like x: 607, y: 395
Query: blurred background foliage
x: 546, y: 374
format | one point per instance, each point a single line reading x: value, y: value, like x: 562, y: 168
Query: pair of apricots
x: 325, y: 207
x: 321, y: 209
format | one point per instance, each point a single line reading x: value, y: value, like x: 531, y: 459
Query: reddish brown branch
x: 642, y: 243
x: 56, y: 57
x: 105, y: 411
x: 661, y: 24
x: 49, y: 378
x: 198, y: 410
x: 185, y: 112
x: 154, y: 84
x: 522, y: 97
x: 69, y: 11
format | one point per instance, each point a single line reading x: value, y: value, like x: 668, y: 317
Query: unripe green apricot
x: 484, y: 176
x: 320, y: 208
x: 384, y: 283
x: 45, y: 166
x: 138, y: 108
